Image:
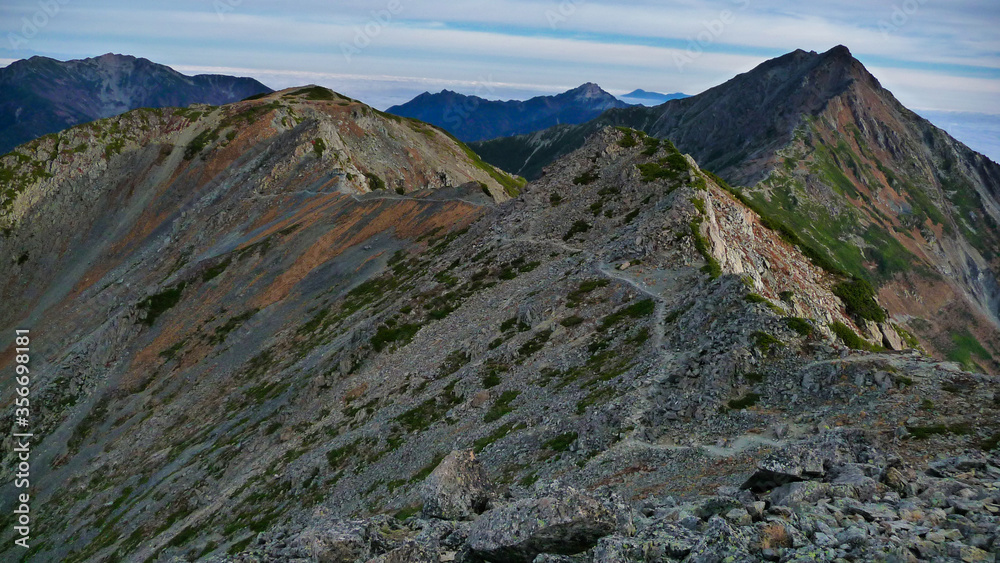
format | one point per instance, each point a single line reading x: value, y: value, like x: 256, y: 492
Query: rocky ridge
x: 827, y: 152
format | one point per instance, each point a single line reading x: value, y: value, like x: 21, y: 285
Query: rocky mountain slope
x: 471, y: 118
x: 838, y: 161
x: 255, y: 321
x: 42, y: 95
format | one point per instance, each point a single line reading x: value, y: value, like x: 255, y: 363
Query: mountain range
x: 472, y: 118
x: 297, y: 328
x: 40, y: 95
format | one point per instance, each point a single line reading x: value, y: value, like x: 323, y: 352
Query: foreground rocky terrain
x: 841, y: 500
x: 262, y: 329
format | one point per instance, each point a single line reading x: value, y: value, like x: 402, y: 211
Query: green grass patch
x: 850, y: 338
x: 156, y: 305
x: 670, y: 167
x: 991, y: 443
x: 214, y: 272
x: 315, y: 93
x: 859, y: 297
x: 374, y: 181
x: 501, y: 432
x: 799, y: 325
x: 712, y: 266
x: 746, y: 401
x: 577, y: 228
x: 636, y: 310
x: 319, y: 146
x: 561, y: 443
x: 221, y: 332
x: 401, y: 334
x: 199, y: 143
x: 765, y: 342
x: 535, y: 344
x: 924, y: 432
x: 965, y: 346
x: 587, y: 178
x: 430, y: 411
x: 453, y: 362
x: 501, y: 407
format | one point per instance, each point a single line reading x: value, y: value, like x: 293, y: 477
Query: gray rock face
x: 569, y: 523
x: 457, y: 489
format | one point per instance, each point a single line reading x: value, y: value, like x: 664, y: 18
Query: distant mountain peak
x: 648, y: 98
x: 42, y: 95
x: 489, y: 119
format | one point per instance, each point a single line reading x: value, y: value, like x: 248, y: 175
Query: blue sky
x: 935, y: 56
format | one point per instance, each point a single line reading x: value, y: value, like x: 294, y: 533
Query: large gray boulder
x: 786, y: 466
x: 343, y: 542
x: 564, y: 522
x: 458, y: 488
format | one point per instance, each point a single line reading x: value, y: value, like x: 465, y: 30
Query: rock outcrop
x: 458, y: 488
x: 563, y: 522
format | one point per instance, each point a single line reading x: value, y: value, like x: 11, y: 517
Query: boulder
x: 457, y: 489
x: 344, y: 542
x: 793, y: 494
x: 564, y: 522
x: 786, y: 466
x: 891, y: 338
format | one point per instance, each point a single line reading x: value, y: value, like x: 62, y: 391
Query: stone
x: 854, y: 476
x: 967, y: 553
x: 791, y: 464
x: 793, y: 494
x: 344, y: 542
x: 895, y: 480
x: 739, y: 517
x: 457, y: 489
x: 891, y: 338
x: 563, y: 523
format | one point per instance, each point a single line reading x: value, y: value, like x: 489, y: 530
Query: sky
x: 940, y: 58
